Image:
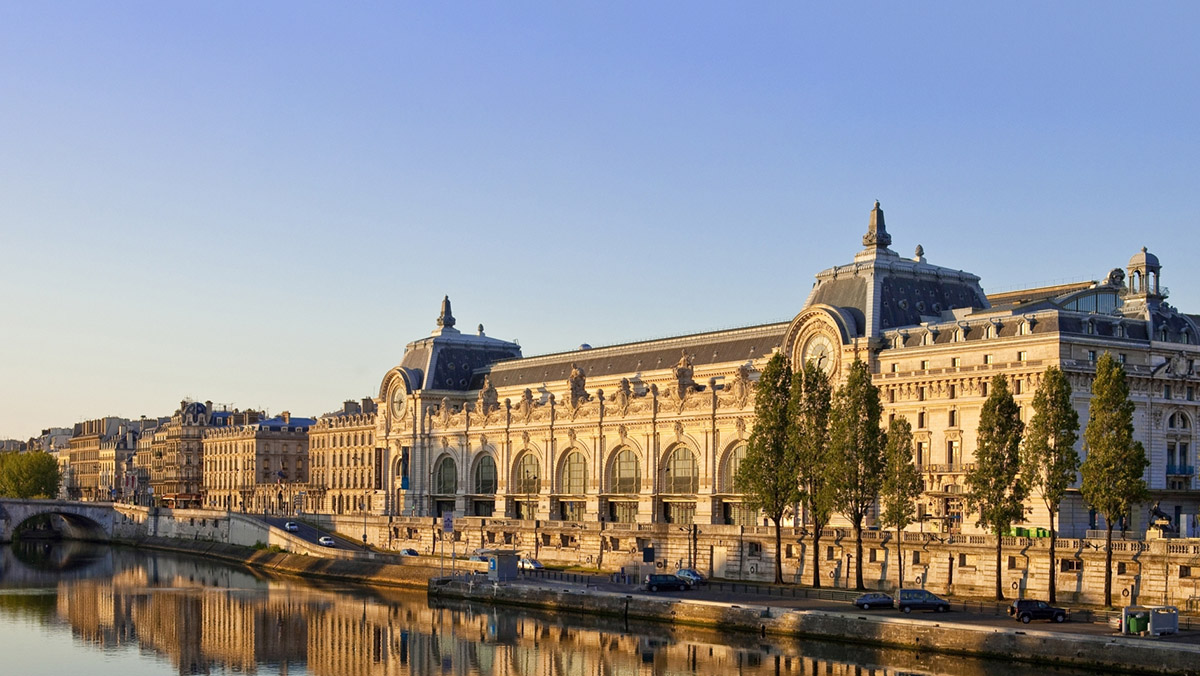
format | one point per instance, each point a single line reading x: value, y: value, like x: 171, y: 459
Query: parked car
x: 1025, y: 610
x: 691, y: 576
x: 919, y: 599
x: 530, y: 564
x: 325, y: 541
x: 873, y: 600
x: 666, y: 583
x: 291, y: 527
x: 408, y: 552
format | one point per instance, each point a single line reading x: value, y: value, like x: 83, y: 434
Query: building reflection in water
x: 209, y: 618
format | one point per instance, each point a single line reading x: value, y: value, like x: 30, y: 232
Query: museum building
x: 652, y: 432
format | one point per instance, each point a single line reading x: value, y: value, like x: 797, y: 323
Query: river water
x: 76, y: 608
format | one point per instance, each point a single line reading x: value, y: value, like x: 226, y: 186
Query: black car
x: 873, y: 600
x: 1025, y: 610
x: 666, y: 583
x: 919, y: 599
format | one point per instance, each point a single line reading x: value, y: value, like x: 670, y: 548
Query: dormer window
x: 1119, y: 331
x: 1089, y: 328
x: 989, y: 331
x: 1162, y: 334
x: 1023, y: 329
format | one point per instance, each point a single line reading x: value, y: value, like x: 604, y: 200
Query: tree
x: 767, y: 475
x: 855, y: 453
x: 808, y: 413
x: 994, y: 487
x: 1049, y: 462
x: 901, y: 485
x: 28, y: 475
x: 1112, y: 471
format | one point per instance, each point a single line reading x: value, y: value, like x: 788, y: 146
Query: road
x: 310, y: 533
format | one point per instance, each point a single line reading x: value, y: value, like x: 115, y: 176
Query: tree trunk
x: 899, y: 559
x: 999, y: 545
x: 1053, y: 578
x: 778, y: 551
x: 1108, y: 525
x: 858, y: 580
x: 816, y: 552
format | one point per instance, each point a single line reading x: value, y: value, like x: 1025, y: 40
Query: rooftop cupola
x: 877, y: 235
x: 1143, y: 278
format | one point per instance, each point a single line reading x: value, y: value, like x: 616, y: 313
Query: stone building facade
x: 83, y: 480
x: 652, y: 432
x: 176, y: 475
x: 259, y: 466
x: 346, y: 475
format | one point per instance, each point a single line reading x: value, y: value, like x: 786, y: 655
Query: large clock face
x: 398, y: 401
x: 820, y: 349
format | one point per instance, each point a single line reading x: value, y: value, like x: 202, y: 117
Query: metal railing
x: 1181, y: 470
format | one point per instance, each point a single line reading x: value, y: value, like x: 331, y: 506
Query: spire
x: 446, y: 320
x: 877, y: 235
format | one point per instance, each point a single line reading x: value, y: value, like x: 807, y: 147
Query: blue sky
x: 262, y: 203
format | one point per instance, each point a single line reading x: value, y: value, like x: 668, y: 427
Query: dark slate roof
x: 905, y: 301
x: 736, y: 345
x: 276, y: 424
x: 849, y: 294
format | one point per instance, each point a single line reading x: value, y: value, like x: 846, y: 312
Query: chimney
x: 287, y: 417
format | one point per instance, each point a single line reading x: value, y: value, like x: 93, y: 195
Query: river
x: 77, y: 608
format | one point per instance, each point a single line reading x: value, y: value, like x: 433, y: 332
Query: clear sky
x: 261, y: 203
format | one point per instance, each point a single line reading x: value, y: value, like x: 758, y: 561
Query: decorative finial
x: 1143, y: 249
x: 919, y: 254
x: 877, y: 235
x: 446, y: 319
x: 480, y: 329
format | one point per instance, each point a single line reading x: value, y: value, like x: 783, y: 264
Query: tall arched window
x: 729, y: 471
x: 485, y: 475
x: 574, y: 474
x: 681, y: 474
x: 526, y: 478
x: 445, y: 477
x: 626, y: 475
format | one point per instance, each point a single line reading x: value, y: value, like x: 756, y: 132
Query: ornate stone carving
x: 683, y: 371
x: 741, y: 428
x: 578, y: 382
x: 678, y: 430
x: 524, y: 407
x: 525, y: 434
x: 488, y: 399
x: 444, y: 410
x: 738, y: 388
x: 571, y: 434
x: 622, y: 431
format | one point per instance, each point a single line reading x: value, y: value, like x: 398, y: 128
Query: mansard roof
x: 447, y: 359
x: 883, y: 291
x: 714, y: 347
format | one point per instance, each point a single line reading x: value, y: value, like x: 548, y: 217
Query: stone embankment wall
x: 1147, y: 572
x: 1105, y: 653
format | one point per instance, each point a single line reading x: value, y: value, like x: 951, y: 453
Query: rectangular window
x: 987, y: 359
x: 1022, y: 356
x: 916, y: 558
x: 924, y: 364
x: 1016, y: 386
x: 921, y: 394
x: 1185, y: 571
x: 754, y: 550
x: 1121, y: 357
x: 983, y: 389
x: 1166, y: 391
x: 874, y: 557
x: 1191, y: 394
x: 1012, y: 563
x: 891, y: 418
x: 953, y: 418
x: 952, y: 451
x: 955, y: 362
x: 895, y: 368
x: 891, y: 396
x: 921, y: 420
x: 790, y: 552
x: 962, y: 560
x: 829, y: 553
x: 920, y: 453
x: 1122, y: 568
x: 1092, y: 356
x: 953, y: 392
x: 1071, y: 565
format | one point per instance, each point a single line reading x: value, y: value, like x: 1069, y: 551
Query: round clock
x: 820, y: 349
x: 398, y: 401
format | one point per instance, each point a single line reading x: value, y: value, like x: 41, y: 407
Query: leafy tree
x: 856, y: 453
x: 28, y: 475
x: 767, y: 475
x: 1049, y: 462
x: 901, y: 485
x: 808, y: 413
x: 1112, y: 471
x: 994, y: 487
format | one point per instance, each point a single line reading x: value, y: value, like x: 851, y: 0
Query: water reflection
x: 202, y: 617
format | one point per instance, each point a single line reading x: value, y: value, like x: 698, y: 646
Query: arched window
x: 445, y: 477
x: 1178, y: 421
x: 485, y: 475
x: 626, y: 475
x: 574, y: 474
x: 681, y: 474
x: 526, y: 476
x: 729, y: 471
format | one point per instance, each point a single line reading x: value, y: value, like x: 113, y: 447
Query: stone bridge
x: 78, y: 520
